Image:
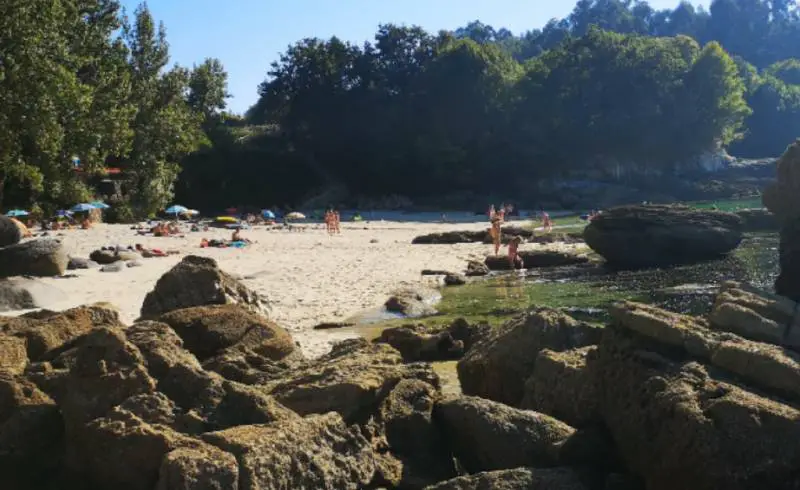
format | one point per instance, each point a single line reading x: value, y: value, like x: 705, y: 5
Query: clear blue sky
x: 247, y: 35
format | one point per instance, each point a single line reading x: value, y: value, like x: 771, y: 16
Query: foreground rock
x: 318, y: 451
x: 656, y: 235
x: 782, y: 198
x: 678, y: 427
x: 352, y: 380
x: 198, y: 281
x: 498, y: 366
x: 10, y: 234
x: 486, y: 435
x: 40, y: 258
x: 534, y: 259
x: 516, y: 479
x: 208, y: 330
x: 45, y: 333
x: 563, y: 386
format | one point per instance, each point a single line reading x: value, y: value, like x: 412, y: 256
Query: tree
x: 166, y: 129
x: 208, y: 89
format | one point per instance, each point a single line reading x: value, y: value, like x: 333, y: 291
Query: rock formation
x: 656, y: 235
x: 42, y: 258
x: 782, y: 198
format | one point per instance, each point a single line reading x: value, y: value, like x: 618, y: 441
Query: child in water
x: 513, y: 255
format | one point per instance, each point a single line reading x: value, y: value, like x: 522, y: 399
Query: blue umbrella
x: 99, y: 204
x: 176, y: 209
x: 16, y: 213
x: 82, y: 207
x: 267, y: 214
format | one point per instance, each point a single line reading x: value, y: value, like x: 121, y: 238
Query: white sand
x: 307, y: 277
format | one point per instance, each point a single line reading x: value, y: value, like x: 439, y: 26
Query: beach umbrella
x: 99, y: 204
x: 82, y: 207
x: 295, y: 215
x: 176, y: 209
x: 16, y: 213
x: 193, y: 212
x: 266, y: 213
x: 63, y: 212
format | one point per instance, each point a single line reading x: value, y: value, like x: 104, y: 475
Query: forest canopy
x: 615, y: 87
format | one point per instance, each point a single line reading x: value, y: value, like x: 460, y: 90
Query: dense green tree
x: 166, y: 128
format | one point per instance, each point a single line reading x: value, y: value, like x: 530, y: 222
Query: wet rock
x: 208, y: 330
x: 49, y: 332
x: 454, y: 280
x: 657, y: 235
x: 198, y: 281
x: 39, y: 258
x: 19, y: 293
x: 352, y: 380
x: 318, y: 451
x: 200, y: 468
x: 10, y: 233
x: 416, y: 345
x: 79, y: 263
x: 13, y: 354
x: 497, y: 367
x: 758, y: 220
x: 333, y: 325
x: 563, y: 386
x: 486, y: 435
x: 434, y: 272
x: 678, y: 427
x: 534, y: 259
x: 412, y: 302
x: 476, y: 269
x: 516, y: 479
x: 469, y: 333
x: 450, y: 238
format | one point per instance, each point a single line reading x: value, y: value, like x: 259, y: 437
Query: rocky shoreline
x: 205, y: 392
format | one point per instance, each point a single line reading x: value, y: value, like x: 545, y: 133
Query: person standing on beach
x: 496, y: 230
x: 513, y: 255
x: 336, y: 222
x: 329, y: 221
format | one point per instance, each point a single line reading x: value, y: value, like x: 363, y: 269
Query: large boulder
x: 498, y: 366
x: 782, y: 198
x: 658, y: 235
x: 412, y: 302
x: 563, y: 386
x: 318, y: 451
x: 486, y: 435
x: 46, y: 333
x: 352, y: 380
x: 516, y: 479
x: 415, y: 344
x: 10, y: 233
x: 31, y: 431
x: 198, y: 281
x: 122, y: 451
x: 208, y: 330
x: 19, y: 293
x: 405, y: 420
x: 42, y: 258
x: 677, y: 426
x: 535, y: 259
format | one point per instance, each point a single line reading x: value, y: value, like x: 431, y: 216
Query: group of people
x: 332, y: 221
x: 497, y: 218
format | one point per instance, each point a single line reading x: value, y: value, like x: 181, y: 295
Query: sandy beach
x: 308, y: 277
